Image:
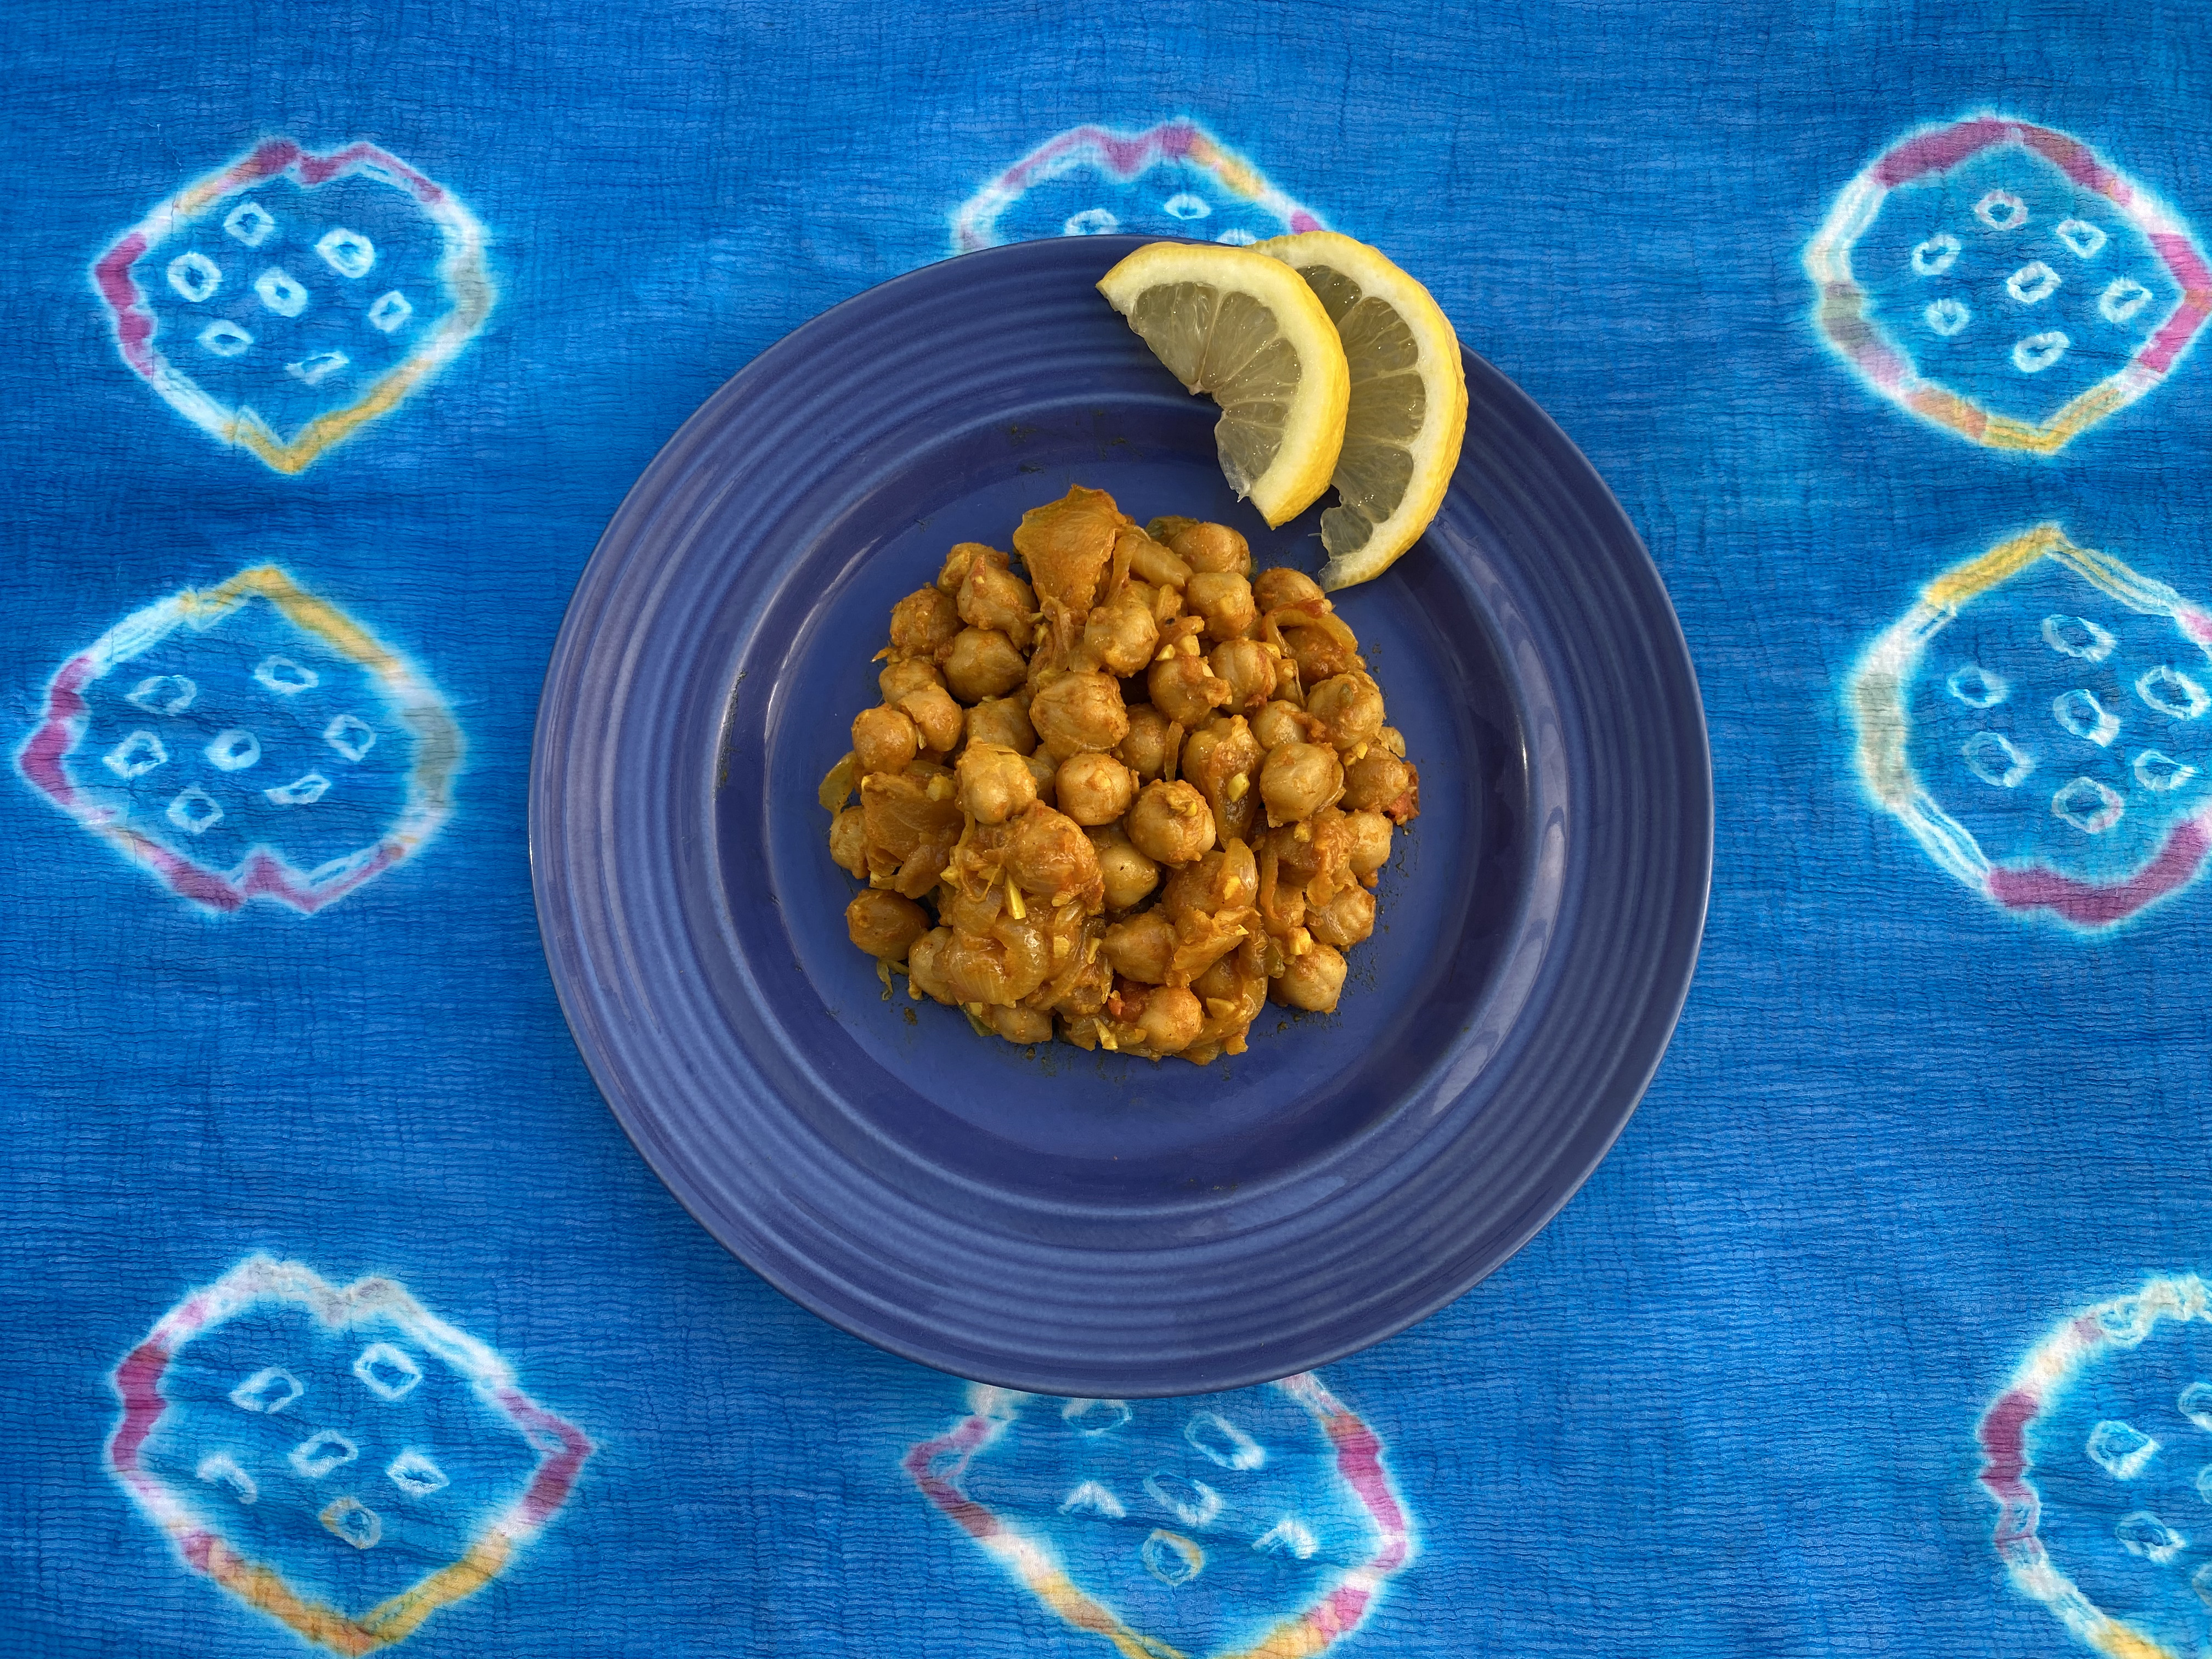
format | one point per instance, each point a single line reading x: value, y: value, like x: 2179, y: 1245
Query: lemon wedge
x: 1408, y: 409
x: 1248, y: 331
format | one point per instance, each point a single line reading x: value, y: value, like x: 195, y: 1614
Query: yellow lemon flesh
x: 1408, y: 409
x: 1248, y: 331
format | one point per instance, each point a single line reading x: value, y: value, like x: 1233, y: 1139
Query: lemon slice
x: 1245, y: 329
x: 1408, y: 412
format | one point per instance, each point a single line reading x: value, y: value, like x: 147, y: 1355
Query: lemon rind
x: 1443, y: 375
x: 1313, y: 437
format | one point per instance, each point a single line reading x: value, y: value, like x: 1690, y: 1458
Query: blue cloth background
x: 1726, y: 1403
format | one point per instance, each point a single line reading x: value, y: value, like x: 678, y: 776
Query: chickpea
x: 907, y: 674
x: 1248, y: 669
x: 925, y: 963
x: 1024, y: 850
x: 995, y: 783
x: 849, y: 842
x: 1121, y: 637
x: 1225, y: 599
x: 993, y: 597
x: 1129, y: 876
x: 1170, y: 824
x: 1000, y: 967
x: 1141, y: 948
x: 1313, y: 981
x: 1297, y: 780
x: 907, y: 811
x: 1380, y: 782
x: 1322, y: 646
x: 1003, y: 721
x: 1240, y: 978
x: 965, y: 910
x: 962, y: 556
x: 1277, y: 724
x: 884, y: 925
x: 1283, y: 910
x: 1273, y: 589
x: 1022, y: 1025
x: 1046, y: 665
x: 884, y: 740
x: 1169, y: 1020
x: 923, y: 623
x: 1150, y: 562
x: 1145, y: 750
x: 1315, y: 855
x: 1079, y: 711
x: 1220, y: 758
x: 1207, y: 547
x: 1347, y: 710
x: 981, y: 662
x: 1084, y: 991
x: 1184, y: 688
x: 1227, y: 878
x: 941, y: 721
x: 1094, y: 788
x: 1218, y: 982
x: 1345, y: 920
x: 1049, y: 855
x: 1368, y: 835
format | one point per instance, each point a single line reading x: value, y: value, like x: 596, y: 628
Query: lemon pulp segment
x: 1225, y: 323
x: 1406, y: 412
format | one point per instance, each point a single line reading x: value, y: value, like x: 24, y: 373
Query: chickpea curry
x: 1130, y: 796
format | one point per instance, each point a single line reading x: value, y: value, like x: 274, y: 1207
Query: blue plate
x: 1051, y: 1220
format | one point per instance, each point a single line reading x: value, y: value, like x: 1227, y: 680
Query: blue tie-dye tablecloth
x: 339, y: 1311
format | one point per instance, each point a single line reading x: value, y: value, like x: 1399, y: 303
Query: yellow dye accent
x: 2124, y: 1642
x: 189, y: 200
x: 2003, y: 432
x: 303, y: 610
x: 392, y: 1621
x: 1879, y: 702
x: 438, y: 744
x: 2085, y: 411
x: 2001, y: 563
x: 395, y: 1619
x: 471, y: 286
x: 1949, y: 409
x: 1295, y: 1638
x: 1057, y: 1591
x: 1298, y: 1637
x: 438, y: 751
x: 265, y: 1591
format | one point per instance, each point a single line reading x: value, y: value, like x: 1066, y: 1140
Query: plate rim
x: 571, y: 655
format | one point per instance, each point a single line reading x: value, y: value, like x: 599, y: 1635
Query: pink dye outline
x: 1862, y: 343
x: 1358, y: 1463
x: 2179, y: 857
x: 1124, y: 156
x: 2089, y: 904
x: 2002, y: 1435
x: 135, y: 324
x: 262, y: 875
x: 561, y: 1446
x: 110, y: 272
